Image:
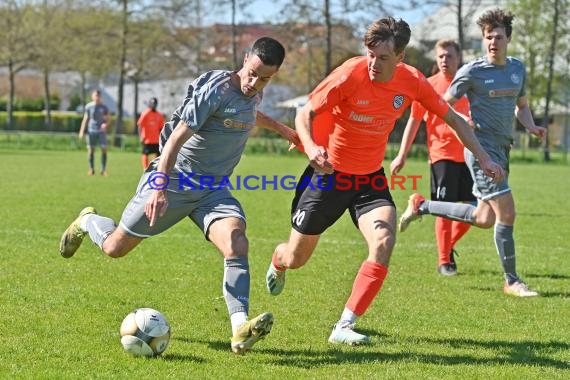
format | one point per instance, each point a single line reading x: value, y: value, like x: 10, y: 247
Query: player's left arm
x: 467, y: 137
x: 289, y: 134
x: 523, y: 114
x: 107, y: 120
x: 84, y: 122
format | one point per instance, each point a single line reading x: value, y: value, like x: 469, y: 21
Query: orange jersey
x: 150, y: 124
x: 362, y: 113
x: 442, y: 142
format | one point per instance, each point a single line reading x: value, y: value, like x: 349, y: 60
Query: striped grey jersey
x: 221, y: 117
x: 493, y: 92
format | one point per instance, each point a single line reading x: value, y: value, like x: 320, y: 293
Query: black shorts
x: 451, y: 182
x: 321, y: 199
x: 150, y: 149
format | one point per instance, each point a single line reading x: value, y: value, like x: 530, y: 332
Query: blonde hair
x: 448, y: 42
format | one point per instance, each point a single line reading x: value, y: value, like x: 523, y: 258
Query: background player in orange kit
x: 362, y: 99
x: 150, y: 124
x: 450, y: 177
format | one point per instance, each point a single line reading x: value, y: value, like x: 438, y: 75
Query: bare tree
x: 551, y: 55
x: 184, y: 44
x: 324, y: 30
x: 145, y: 53
x: 460, y: 11
x: 235, y: 6
x: 122, y: 70
x: 328, y: 24
x: 16, y: 32
x: 50, y: 52
x: 545, y: 61
x: 94, y: 49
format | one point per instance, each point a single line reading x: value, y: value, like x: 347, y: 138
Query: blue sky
x: 263, y: 10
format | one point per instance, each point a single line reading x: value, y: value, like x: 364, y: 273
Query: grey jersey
x: 221, y: 117
x: 96, y: 116
x: 493, y: 92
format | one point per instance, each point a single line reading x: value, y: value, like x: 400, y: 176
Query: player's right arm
x: 83, y: 125
x: 140, y: 125
x: 200, y: 103
x: 317, y: 154
x: 157, y: 203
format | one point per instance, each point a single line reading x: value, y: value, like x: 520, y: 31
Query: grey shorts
x: 483, y: 186
x: 97, y: 138
x: 203, y: 207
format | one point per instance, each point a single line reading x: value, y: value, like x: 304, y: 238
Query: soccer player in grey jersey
x: 494, y: 85
x: 205, y: 137
x: 96, y: 120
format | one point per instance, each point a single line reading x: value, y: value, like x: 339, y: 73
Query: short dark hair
x: 386, y: 29
x: 496, y: 18
x: 269, y: 50
x: 153, y: 102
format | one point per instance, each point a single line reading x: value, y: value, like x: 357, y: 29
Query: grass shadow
x: 510, y: 353
x: 216, y: 345
x: 183, y: 358
x: 515, y: 353
x: 551, y: 276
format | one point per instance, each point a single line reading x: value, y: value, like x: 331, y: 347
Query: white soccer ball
x: 145, y: 332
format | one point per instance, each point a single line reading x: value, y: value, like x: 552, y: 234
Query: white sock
x: 347, y: 317
x: 83, y: 222
x: 237, y: 320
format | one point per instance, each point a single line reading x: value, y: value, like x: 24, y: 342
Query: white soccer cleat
x: 274, y: 280
x: 411, y: 213
x: 518, y: 289
x: 345, y: 334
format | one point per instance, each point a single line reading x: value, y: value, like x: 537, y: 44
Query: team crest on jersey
x: 229, y: 123
x: 398, y: 101
x: 515, y: 78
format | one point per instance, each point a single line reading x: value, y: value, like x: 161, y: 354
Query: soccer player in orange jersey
x: 150, y: 124
x: 450, y: 177
x: 357, y: 105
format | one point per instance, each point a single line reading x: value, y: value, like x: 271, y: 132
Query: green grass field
x: 61, y: 318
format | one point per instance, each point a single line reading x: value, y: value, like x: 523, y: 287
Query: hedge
x: 60, y: 122
x: 29, y: 104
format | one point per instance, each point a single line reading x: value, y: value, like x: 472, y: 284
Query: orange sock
x: 144, y: 161
x: 366, y: 286
x: 443, y: 230
x: 458, y: 229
